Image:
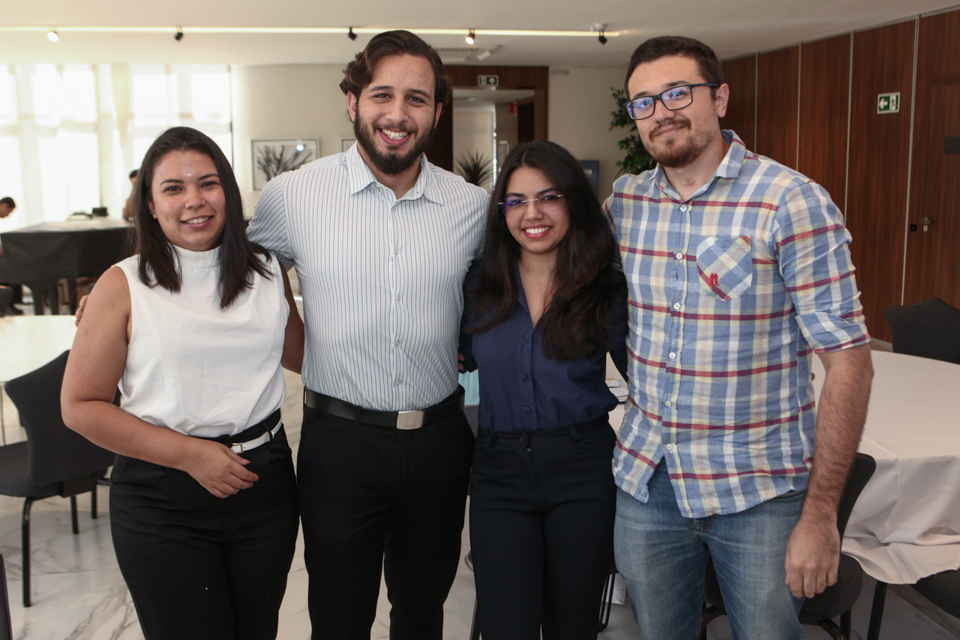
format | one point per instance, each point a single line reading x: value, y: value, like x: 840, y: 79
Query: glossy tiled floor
x: 78, y: 592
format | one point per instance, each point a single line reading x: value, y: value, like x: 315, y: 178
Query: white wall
x: 285, y: 101
x: 473, y: 129
x: 580, y: 107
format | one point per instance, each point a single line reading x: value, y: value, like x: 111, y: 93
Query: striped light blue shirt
x: 382, y: 278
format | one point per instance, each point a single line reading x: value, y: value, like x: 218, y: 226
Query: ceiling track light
x: 165, y: 30
x: 53, y: 36
x: 351, y: 34
x: 602, y: 38
x: 178, y: 36
x: 471, y: 37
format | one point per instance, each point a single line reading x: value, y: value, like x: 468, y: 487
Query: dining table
x: 40, y: 255
x: 906, y: 522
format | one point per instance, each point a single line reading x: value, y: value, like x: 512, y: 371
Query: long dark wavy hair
x: 576, y: 323
x: 239, y: 257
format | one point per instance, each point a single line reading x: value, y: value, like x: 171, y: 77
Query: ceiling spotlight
x: 602, y: 38
x: 178, y: 36
x: 471, y: 36
x: 351, y: 34
x: 53, y: 36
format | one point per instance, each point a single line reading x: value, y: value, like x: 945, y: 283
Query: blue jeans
x: 662, y: 556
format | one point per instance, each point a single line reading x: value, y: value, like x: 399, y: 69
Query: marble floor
x: 78, y: 593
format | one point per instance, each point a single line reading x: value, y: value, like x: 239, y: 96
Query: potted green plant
x: 637, y: 160
x: 475, y: 168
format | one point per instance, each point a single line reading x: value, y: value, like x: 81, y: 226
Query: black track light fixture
x: 178, y: 36
x: 351, y: 34
x: 602, y: 38
x: 471, y: 36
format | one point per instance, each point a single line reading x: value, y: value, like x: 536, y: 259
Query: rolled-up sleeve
x: 813, y: 247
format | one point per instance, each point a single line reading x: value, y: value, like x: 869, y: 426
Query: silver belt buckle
x: 409, y: 420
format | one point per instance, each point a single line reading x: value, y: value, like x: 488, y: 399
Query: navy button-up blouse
x: 523, y: 390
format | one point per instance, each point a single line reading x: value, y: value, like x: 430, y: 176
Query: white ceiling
x: 731, y: 27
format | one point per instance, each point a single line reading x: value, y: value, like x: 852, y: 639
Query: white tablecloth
x: 29, y: 342
x: 906, y: 524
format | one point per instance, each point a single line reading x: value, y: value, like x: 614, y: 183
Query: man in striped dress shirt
x: 381, y: 240
x: 738, y: 271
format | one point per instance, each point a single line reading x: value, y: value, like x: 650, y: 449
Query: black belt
x: 446, y: 408
x: 250, y: 434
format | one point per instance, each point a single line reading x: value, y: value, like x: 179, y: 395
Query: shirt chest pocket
x: 725, y: 266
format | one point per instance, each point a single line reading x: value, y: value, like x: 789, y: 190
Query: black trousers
x: 542, y: 509
x: 375, y: 497
x: 201, y: 567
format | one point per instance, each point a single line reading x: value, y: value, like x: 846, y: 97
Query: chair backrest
x: 56, y: 452
x: 928, y: 329
x: 863, y: 468
x: 6, y: 627
x: 6, y: 295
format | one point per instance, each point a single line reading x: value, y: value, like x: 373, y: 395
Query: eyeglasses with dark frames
x: 674, y: 99
x: 544, y: 203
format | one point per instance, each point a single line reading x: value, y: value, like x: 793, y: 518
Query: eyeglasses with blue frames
x: 544, y: 203
x: 674, y: 99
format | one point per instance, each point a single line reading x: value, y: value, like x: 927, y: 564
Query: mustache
x: 673, y: 122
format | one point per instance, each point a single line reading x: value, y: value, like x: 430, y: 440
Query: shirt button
x: 668, y: 403
x: 527, y: 408
x: 676, y: 305
x: 670, y: 447
x: 398, y: 299
x: 679, y: 256
x: 683, y: 207
x: 398, y: 383
x: 396, y: 252
x: 398, y: 343
x: 523, y: 375
x: 673, y: 356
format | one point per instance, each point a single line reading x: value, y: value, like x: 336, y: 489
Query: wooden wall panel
x: 879, y: 155
x: 824, y: 97
x: 933, y: 257
x: 741, y: 75
x: 777, y: 100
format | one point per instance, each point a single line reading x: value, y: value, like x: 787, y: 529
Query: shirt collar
x: 360, y: 177
x: 729, y: 167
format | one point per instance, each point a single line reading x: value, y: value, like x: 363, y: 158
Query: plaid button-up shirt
x: 731, y: 292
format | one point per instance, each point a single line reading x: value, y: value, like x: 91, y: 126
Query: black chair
x: 835, y: 600
x: 6, y: 628
x: 942, y: 589
x: 6, y: 296
x: 928, y: 329
x: 54, y: 460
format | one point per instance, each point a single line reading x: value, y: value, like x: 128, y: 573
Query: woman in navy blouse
x: 545, y: 307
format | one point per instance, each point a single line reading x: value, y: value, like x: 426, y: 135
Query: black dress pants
x: 375, y: 497
x: 542, y: 509
x: 201, y: 567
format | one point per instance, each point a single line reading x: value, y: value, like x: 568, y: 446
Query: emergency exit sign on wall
x: 488, y: 81
x: 888, y: 102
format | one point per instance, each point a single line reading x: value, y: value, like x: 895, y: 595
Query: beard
x: 677, y: 154
x: 389, y: 163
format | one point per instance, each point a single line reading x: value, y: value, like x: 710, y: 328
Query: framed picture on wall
x: 273, y: 157
x: 346, y: 143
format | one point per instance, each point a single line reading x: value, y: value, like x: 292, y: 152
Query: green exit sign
x: 488, y: 81
x: 888, y: 102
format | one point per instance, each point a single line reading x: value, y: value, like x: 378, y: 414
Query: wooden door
x: 933, y: 256
x: 933, y: 236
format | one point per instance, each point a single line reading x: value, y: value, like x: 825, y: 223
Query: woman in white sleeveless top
x: 194, y: 330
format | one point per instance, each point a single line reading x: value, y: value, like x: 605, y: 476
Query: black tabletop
x: 54, y: 250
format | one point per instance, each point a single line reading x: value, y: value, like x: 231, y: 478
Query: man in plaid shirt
x: 739, y: 271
